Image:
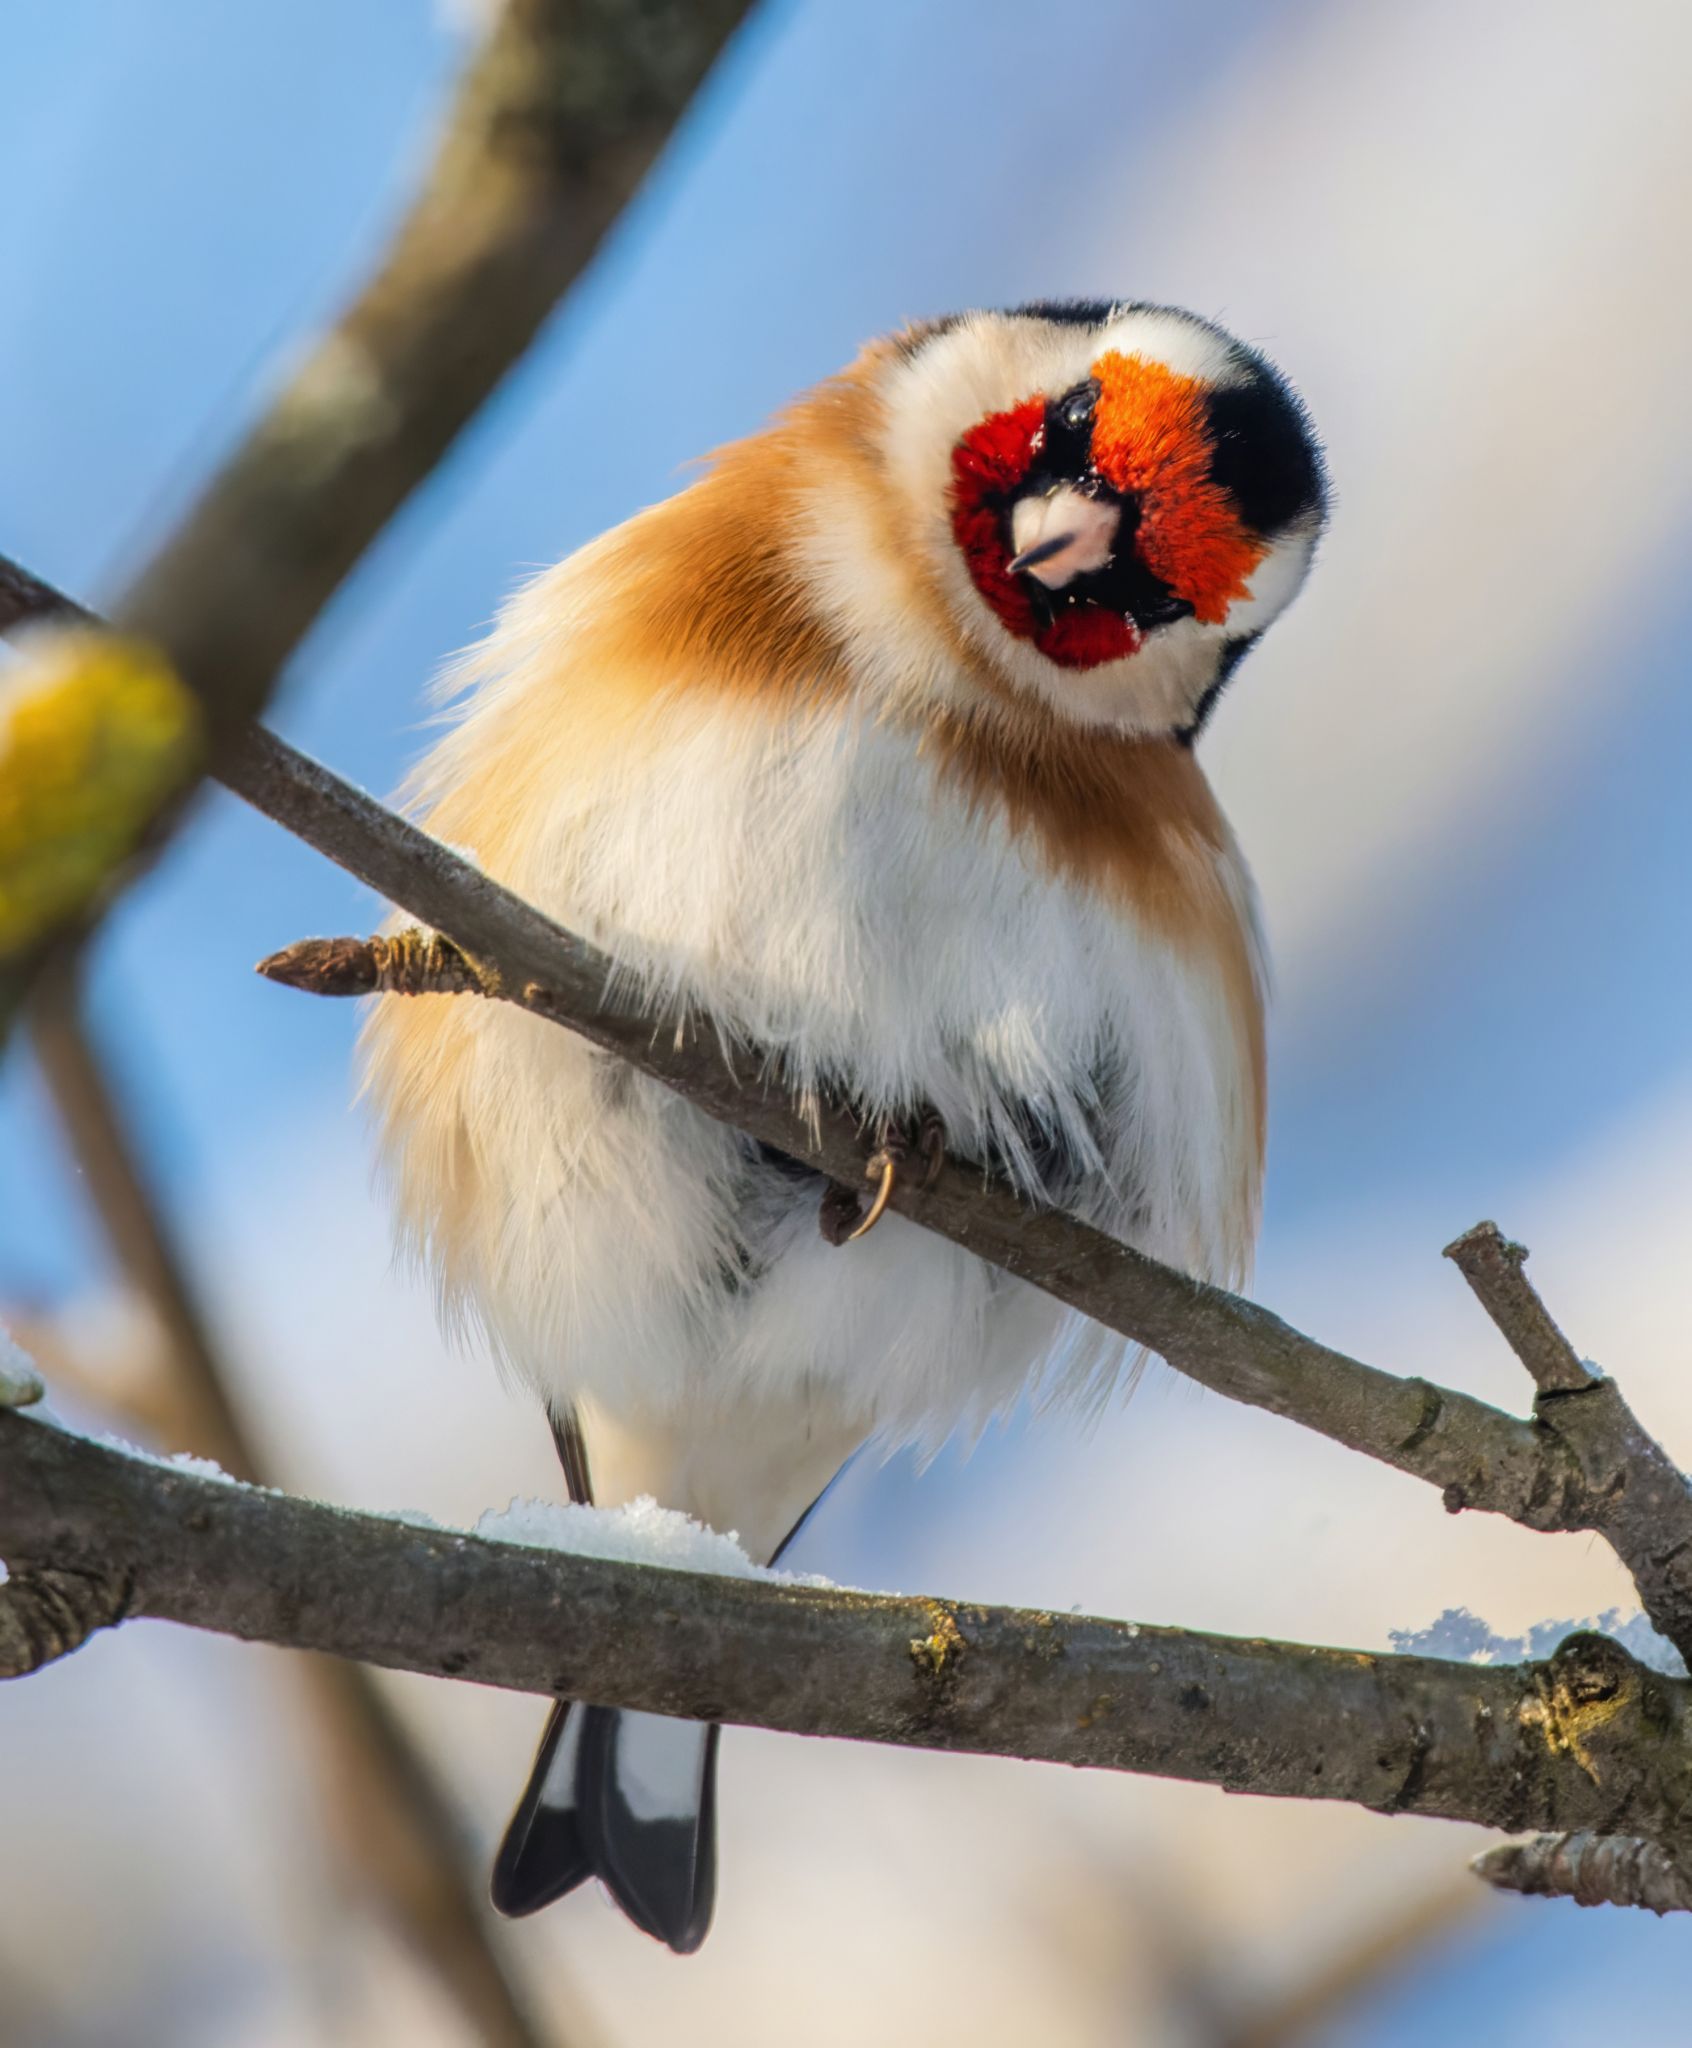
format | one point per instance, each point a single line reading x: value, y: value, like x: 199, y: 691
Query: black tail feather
x: 661, y: 1869
x: 627, y: 1798
x: 544, y: 1855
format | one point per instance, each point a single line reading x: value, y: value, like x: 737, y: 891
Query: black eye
x: 1075, y: 408
x: 1161, y: 611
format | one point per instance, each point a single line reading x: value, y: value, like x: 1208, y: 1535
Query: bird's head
x: 1108, y: 503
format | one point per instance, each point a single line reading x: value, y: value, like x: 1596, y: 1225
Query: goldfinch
x: 876, y: 744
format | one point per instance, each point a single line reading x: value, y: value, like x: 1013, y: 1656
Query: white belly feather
x: 820, y: 892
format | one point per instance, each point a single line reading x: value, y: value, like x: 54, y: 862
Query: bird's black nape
x: 1067, y: 312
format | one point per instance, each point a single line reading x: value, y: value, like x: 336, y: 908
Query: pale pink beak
x: 1062, y: 535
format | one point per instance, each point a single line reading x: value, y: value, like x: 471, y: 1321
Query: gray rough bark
x: 1587, y: 1739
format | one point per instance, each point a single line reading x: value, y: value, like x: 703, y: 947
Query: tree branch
x: 555, y: 124
x: 1494, y: 1269
x: 1579, y: 1741
x: 1584, y: 1462
x: 26, y: 600
x: 408, y: 963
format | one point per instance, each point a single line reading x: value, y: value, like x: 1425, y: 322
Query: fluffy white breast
x: 814, y: 884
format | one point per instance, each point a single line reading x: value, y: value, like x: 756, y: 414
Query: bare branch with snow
x: 1578, y: 1741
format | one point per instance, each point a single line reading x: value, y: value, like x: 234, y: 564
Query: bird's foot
x: 843, y: 1216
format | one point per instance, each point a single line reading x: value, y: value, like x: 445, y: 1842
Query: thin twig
x: 1575, y: 1742
x: 1493, y: 1267
x: 1592, y: 1869
x: 410, y: 963
x: 25, y: 599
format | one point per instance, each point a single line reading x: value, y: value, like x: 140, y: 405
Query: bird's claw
x: 842, y: 1216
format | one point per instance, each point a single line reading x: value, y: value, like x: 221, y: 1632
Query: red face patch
x: 1150, y: 444
x: 988, y: 465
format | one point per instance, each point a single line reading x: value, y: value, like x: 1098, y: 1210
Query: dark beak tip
x: 1031, y: 558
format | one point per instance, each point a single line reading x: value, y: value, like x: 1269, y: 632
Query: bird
x: 875, y: 745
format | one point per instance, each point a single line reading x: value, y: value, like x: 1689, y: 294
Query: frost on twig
x: 1591, y: 1869
x: 638, y: 1532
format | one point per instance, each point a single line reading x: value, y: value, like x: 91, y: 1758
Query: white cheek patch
x: 1274, y: 584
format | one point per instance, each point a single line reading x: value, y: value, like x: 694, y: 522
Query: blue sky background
x: 1459, y: 766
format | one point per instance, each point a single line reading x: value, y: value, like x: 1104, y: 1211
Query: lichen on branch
x: 96, y: 732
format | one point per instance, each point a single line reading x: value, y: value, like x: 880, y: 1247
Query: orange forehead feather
x: 1151, y: 438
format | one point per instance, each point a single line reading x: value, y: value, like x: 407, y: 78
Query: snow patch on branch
x: 20, y: 1383
x: 188, y: 1462
x: 640, y: 1533
x: 1463, y: 1638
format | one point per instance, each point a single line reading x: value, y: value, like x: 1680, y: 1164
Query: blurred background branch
x: 558, y: 118
x: 557, y: 121
x: 387, y: 1815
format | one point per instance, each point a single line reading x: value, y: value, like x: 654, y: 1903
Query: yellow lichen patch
x: 1586, y: 1684
x: 933, y: 1652
x: 96, y: 731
